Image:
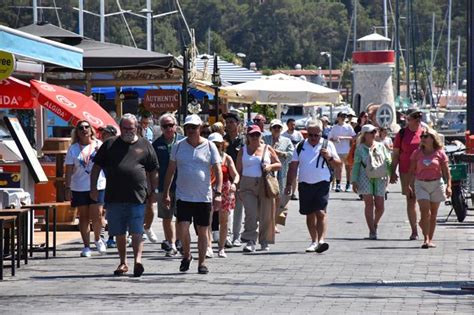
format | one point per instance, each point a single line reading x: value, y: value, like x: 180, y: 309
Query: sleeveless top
x: 252, y: 164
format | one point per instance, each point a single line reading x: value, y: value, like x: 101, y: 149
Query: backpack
x: 299, y: 148
x: 376, y: 166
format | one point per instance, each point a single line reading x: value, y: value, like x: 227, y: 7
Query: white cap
x: 193, y: 120
x: 368, y: 128
x: 324, y: 118
x: 215, y: 137
x: 276, y: 122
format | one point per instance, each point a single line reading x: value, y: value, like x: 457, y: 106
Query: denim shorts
x: 82, y: 198
x: 125, y: 216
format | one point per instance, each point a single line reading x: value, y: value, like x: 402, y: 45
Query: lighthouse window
x: 374, y: 45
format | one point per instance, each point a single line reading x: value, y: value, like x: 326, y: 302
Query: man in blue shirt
x: 162, y: 147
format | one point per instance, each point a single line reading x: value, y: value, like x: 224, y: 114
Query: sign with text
x: 7, y: 64
x: 159, y: 101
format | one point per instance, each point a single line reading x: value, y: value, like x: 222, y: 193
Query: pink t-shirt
x: 428, y: 167
x: 411, y: 142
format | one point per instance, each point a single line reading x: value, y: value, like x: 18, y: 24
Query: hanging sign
x: 7, y: 64
x: 159, y: 101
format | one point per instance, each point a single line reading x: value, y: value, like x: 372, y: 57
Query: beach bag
x: 272, y: 189
x: 376, y: 165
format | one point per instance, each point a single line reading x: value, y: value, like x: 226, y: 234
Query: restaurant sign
x: 7, y: 64
x: 159, y: 101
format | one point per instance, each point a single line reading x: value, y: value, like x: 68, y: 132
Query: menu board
x: 27, y: 152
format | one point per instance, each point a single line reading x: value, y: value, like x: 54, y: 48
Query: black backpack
x: 299, y: 148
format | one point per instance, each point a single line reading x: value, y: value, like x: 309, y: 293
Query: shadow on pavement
x: 450, y: 292
x: 411, y: 284
x: 393, y: 247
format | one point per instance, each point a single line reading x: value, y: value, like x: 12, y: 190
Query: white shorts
x: 431, y: 190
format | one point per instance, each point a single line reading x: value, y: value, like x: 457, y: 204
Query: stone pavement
x: 356, y: 275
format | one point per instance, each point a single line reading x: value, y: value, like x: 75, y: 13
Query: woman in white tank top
x: 259, y: 209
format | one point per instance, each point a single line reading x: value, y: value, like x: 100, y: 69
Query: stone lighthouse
x: 373, y: 64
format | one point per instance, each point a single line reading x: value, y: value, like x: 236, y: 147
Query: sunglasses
x: 192, y: 127
x: 83, y: 127
x: 314, y: 135
x: 254, y: 135
x: 425, y: 135
x: 166, y: 126
x: 257, y: 120
x: 276, y: 127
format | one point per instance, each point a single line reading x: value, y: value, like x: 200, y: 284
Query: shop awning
x: 40, y: 49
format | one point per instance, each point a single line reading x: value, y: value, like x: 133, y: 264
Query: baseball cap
x: 231, y: 115
x: 253, y: 129
x: 324, y: 118
x: 367, y: 128
x: 341, y: 114
x: 414, y: 113
x: 193, y: 120
x: 109, y: 129
x: 276, y: 122
x: 215, y: 137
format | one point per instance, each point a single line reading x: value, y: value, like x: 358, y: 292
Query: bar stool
x: 7, y: 223
x: 46, y: 207
x: 22, y: 231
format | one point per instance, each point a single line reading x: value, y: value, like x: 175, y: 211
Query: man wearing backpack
x: 314, y: 158
x: 406, y: 142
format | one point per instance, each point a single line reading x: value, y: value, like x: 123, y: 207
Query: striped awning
x: 229, y: 72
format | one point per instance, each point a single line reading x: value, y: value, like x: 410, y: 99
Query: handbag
x: 272, y: 189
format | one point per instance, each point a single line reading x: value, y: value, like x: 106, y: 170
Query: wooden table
x: 7, y: 222
x: 46, y: 207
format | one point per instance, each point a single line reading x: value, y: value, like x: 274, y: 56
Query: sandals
x: 121, y: 270
x: 425, y: 246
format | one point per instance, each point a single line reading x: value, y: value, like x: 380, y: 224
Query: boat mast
x: 385, y: 24
x: 457, y: 63
x: 448, y: 57
x: 432, y: 59
x: 397, y: 46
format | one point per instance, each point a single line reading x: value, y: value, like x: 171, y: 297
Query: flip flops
x: 121, y: 270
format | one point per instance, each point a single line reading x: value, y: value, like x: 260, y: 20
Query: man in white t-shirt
x: 342, y: 134
x: 313, y: 161
x: 295, y: 136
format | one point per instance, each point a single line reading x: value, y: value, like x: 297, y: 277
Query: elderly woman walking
x: 369, y: 176
x: 79, y: 162
x: 429, y: 166
x: 253, y: 160
x: 284, y: 150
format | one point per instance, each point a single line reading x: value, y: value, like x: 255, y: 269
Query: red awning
x: 70, y: 105
x: 15, y: 94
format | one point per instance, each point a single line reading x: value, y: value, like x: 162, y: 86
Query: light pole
x: 328, y: 54
x: 216, y: 82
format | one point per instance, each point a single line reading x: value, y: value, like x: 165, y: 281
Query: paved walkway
x: 356, y: 275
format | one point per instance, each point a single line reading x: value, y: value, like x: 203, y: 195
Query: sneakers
x: 322, y: 247
x: 338, y: 188
x: 264, y: 246
x: 151, y: 236
x: 236, y: 243
x: 312, y: 247
x: 185, y: 263
x: 209, y: 253
x: 250, y: 247
x: 100, y: 246
x: 228, y: 244
x: 179, y: 246
x: 222, y: 254
x: 129, y: 240
x: 172, y: 252
x: 144, y: 237
x: 293, y: 197
x: 203, y: 270
x: 86, y: 252
x: 165, y: 245
x: 348, y: 187
x: 111, y: 243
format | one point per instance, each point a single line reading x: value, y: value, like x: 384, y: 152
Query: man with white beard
x: 130, y: 165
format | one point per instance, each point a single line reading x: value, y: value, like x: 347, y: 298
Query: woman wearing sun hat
x: 371, y: 186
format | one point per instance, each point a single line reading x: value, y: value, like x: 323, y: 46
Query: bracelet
x: 217, y: 194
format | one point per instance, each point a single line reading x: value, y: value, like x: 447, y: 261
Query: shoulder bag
x: 272, y: 189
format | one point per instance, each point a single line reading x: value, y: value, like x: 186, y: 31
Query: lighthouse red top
x: 373, y: 49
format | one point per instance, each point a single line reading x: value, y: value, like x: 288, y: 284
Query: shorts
x: 371, y: 186
x: 82, y: 198
x: 432, y: 190
x: 125, y: 216
x: 313, y: 197
x: 163, y: 212
x: 404, y: 182
x: 199, y: 211
x: 343, y: 157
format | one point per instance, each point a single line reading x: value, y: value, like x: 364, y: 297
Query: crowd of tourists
x: 232, y: 183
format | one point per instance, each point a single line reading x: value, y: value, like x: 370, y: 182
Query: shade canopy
x: 15, y: 94
x: 281, y: 89
x: 29, y: 46
x: 100, y: 56
x: 70, y: 105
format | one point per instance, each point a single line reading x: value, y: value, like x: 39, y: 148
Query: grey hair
x: 168, y: 115
x: 130, y: 117
x: 314, y: 123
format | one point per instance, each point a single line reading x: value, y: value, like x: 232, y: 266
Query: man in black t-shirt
x: 130, y: 165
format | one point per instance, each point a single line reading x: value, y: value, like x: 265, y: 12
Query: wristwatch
x: 217, y: 193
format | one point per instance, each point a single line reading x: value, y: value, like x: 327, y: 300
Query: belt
x: 429, y: 180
